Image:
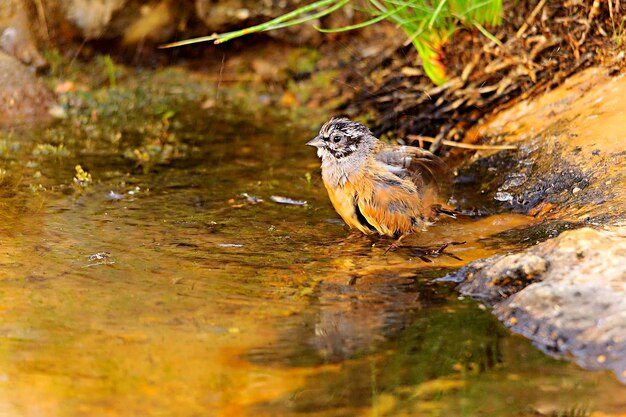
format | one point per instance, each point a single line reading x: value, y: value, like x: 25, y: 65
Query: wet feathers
x: 376, y: 187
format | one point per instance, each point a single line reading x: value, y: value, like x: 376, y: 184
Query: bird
x: 379, y: 188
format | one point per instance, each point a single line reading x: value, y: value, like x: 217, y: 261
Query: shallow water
x: 159, y: 290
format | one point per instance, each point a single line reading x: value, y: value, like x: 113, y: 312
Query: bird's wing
x: 427, y: 171
x: 388, y: 204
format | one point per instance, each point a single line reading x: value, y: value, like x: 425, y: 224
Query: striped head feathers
x: 340, y: 138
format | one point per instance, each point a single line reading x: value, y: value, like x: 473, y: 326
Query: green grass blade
x: 487, y: 34
x: 223, y: 37
x: 270, y: 25
x: 427, y: 23
x: 379, y: 6
x: 420, y: 29
x: 422, y: 7
x: 362, y: 24
x: 312, y: 17
x: 188, y: 41
x: 110, y: 67
x: 468, y: 10
x: 436, y: 14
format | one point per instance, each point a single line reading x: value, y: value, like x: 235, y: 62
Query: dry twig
x: 462, y: 145
x: 531, y: 18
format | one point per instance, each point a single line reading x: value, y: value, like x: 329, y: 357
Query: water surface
x: 158, y: 289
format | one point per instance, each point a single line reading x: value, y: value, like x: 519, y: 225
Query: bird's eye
x: 335, y: 138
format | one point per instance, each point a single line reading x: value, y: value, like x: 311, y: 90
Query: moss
x: 302, y: 60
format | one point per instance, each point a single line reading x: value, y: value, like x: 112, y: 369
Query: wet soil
x: 568, y: 169
x: 569, y: 160
x: 153, y: 286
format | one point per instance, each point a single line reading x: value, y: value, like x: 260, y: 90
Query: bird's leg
x: 434, y: 252
x: 396, y: 244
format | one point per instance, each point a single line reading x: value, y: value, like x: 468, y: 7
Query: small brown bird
x: 376, y: 187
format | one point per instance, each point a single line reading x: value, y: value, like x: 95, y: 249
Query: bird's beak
x: 317, y: 141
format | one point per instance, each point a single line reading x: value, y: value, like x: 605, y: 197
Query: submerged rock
x: 567, y: 294
x: 23, y: 96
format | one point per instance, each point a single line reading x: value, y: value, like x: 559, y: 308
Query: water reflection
x: 349, y: 320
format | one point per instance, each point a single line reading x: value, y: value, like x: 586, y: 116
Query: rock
x: 16, y: 36
x: 134, y: 21
x: 23, y: 96
x: 567, y: 294
x: 92, y: 16
x: 498, y: 277
x: 154, y: 23
x: 226, y: 15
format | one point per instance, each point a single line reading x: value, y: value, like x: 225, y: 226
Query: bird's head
x: 341, y: 137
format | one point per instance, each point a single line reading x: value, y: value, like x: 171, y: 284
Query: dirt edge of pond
x: 567, y: 294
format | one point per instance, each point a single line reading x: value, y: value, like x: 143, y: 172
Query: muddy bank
x: 571, y: 149
x: 568, y: 293
x: 540, y: 45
